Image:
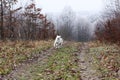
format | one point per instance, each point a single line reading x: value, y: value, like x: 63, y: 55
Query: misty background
x: 42, y: 19
x: 73, y: 19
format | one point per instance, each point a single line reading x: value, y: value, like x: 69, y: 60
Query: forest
x: 90, y: 49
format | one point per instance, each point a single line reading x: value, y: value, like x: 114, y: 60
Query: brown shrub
x: 110, y: 32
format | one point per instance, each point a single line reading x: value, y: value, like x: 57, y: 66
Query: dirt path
x: 24, y: 68
x: 85, y: 63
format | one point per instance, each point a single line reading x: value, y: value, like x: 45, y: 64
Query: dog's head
x: 58, y: 37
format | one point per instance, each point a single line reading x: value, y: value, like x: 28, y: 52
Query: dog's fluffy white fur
x: 58, y: 42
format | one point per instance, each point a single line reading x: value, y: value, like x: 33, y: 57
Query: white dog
x: 58, y: 42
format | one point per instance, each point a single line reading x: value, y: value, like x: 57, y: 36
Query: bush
x: 110, y: 32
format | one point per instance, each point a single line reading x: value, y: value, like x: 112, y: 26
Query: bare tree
x: 82, y: 30
x: 1, y: 19
x: 66, y: 23
x: 27, y: 23
x: 111, y: 30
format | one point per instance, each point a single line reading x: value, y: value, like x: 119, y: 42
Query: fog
x: 77, y: 5
x: 73, y: 24
x: 71, y: 18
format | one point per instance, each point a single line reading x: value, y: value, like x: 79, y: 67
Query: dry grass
x: 61, y: 65
x: 106, y: 59
x: 12, y: 53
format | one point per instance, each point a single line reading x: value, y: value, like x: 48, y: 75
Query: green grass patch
x: 61, y: 65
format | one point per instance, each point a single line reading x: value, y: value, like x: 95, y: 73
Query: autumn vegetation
x: 105, y: 60
x: 24, y: 23
x: 20, y: 29
x: 110, y: 30
x: 106, y: 52
x: 25, y: 33
x: 15, y: 53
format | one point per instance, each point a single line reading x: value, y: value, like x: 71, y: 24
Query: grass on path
x: 61, y: 65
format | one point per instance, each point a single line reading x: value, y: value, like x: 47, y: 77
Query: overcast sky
x: 76, y: 5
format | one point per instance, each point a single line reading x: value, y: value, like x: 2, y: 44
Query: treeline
x: 24, y: 23
x: 108, y: 29
x: 71, y: 26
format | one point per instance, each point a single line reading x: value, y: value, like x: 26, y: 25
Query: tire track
x: 85, y: 63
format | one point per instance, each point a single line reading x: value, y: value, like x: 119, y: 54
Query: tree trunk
x: 2, y: 20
